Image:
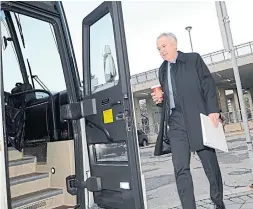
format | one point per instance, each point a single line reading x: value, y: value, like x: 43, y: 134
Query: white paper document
x: 213, y: 137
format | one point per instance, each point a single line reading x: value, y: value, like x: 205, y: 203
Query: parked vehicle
x: 142, y: 138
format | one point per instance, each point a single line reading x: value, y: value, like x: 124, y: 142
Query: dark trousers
x: 181, y: 161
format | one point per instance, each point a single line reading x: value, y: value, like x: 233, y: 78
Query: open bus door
x: 116, y: 176
x: 51, y: 14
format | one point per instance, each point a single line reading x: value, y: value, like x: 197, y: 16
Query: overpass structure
x: 219, y: 64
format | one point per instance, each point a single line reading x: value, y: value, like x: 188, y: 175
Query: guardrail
x: 209, y: 59
x: 230, y: 118
x: 236, y: 116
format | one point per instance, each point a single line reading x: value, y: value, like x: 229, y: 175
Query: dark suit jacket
x: 196, y: 92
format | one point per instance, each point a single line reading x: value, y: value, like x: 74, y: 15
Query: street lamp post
x: 227, y: 39
x: 188, y: 28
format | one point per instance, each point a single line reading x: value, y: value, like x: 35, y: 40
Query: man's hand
x: 157, y: 98
x: 214, y: 118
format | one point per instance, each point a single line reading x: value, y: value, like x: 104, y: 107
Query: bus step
x: 43, y: 198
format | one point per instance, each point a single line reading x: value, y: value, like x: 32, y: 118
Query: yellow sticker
x: 108, y: 116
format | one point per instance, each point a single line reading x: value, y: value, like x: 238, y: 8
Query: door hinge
x: 78, y: 110
x: 92, y: 184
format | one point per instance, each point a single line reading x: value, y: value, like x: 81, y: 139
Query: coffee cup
x: 157, y: 89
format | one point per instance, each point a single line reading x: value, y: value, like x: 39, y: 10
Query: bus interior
x: 40, y: 142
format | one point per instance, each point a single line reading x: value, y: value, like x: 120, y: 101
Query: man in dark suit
x: 188, y: 89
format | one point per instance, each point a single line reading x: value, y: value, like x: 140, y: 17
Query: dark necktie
x: 171, y: 91
x: 173, y: 83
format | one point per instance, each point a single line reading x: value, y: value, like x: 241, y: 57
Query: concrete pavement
x: 161, y: 187
x: 241, y: 200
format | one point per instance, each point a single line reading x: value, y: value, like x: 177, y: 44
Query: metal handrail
x: 230, y: 117
x: 214, y: 59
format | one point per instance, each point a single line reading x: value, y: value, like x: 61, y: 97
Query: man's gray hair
x: 169, y: 35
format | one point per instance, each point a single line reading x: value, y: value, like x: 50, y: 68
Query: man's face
x: 167, y: 48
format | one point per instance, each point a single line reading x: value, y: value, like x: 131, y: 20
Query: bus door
x: 116, y: 177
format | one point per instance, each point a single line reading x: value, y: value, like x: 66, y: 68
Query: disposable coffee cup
x: 157, y: 89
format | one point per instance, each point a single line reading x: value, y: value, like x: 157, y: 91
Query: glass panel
x: 157, y: 73
x: 243, y: 50
x: 103, y: 60
x: 207, y: 60
x: 40, y: 95
x: 251, y: 47
x: 111, y: 152
x: 151, y: 75
x: 217, y: 57
x: 142, y: 78
x: 45, y: 62
x: 134, y: 80
x: 227, y: 55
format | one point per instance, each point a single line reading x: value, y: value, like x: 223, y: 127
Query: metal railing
x: 210, y: 59
x: 230, y: 118
x: 236, y: 116
x: 220, y: 56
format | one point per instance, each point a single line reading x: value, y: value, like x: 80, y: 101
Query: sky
x: 144, y: 21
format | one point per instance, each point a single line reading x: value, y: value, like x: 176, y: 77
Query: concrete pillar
x: 151, y: 111
x: 157, y: 111
x: 218, y: 96
x: 137, y: 113
x: 237, y: 106
x: 223, y: 100
x: 249, y: 94
x: 233, y: 115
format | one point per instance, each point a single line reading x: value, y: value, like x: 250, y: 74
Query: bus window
x: 41, y: 50
x: 11, y: 69
x: 103, y: 65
